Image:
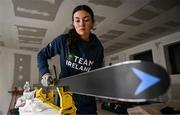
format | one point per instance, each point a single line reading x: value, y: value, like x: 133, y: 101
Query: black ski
x: 128, y: 81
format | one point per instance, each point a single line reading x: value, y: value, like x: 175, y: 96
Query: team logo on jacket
x: 71, y: 56
x: 79, y: 63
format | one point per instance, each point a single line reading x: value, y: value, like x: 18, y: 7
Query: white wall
x: 158, y: 56
x: 7, y: 71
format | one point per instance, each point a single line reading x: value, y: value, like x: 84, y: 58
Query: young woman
x: 79, y: 50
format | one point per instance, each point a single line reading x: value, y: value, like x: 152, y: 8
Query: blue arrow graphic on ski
x: 147, y: 80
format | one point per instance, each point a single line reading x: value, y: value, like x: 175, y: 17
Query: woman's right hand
x: 46, y: 80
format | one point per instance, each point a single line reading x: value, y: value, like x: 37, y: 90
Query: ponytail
x: 73, y: 38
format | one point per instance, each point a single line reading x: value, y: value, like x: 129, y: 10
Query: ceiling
x: 120, y: 24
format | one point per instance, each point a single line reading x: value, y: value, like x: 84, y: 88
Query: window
x: 172, y: 55
x: 145, y: 56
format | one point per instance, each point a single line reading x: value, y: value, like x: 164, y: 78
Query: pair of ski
x: 133, y: 81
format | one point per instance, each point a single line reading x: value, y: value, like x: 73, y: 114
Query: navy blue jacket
x: 84, y: 57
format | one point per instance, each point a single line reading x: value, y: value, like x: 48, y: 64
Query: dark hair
x: 85, y: 8
x: 73, y: 35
